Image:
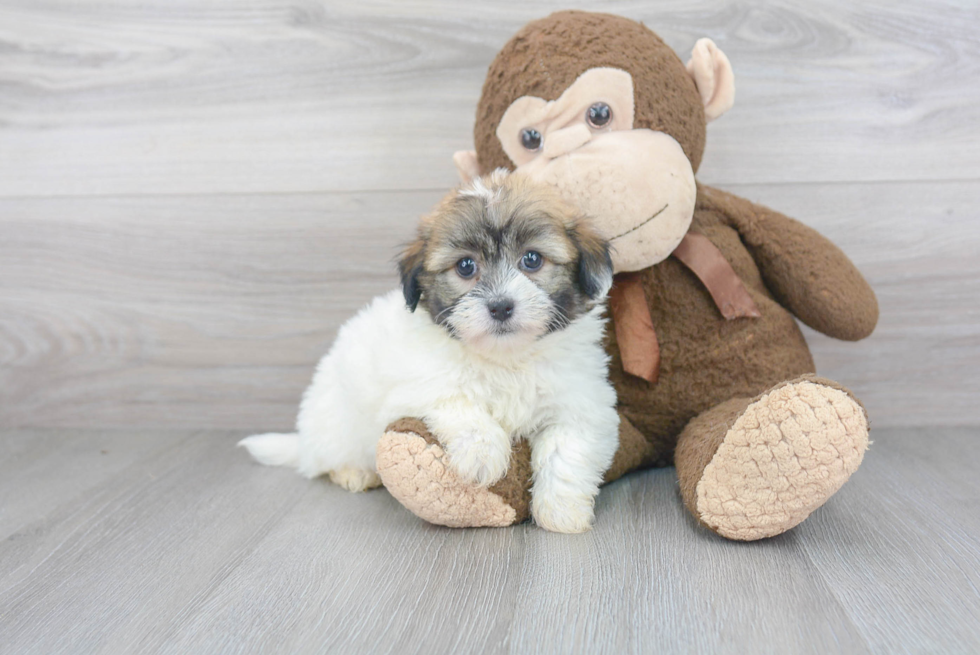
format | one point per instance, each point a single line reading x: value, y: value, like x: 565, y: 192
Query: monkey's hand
x: 807, y: 274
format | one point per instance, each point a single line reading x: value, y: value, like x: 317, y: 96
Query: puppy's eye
x: 466, y: 267
x: 598, y: 115
x: 532, y: 261
x: 530, y: 138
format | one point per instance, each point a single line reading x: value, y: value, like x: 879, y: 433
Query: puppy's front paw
x: 355, y: 479
x: 479, y: 457
x: 570, y: 515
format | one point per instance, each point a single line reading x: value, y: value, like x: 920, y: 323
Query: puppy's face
x: 504, y: 261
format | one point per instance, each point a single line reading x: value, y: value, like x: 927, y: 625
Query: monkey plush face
x: 638, y: 183
x: 601, y: 109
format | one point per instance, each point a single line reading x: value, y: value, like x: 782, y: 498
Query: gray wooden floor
x: 137, y: 541
x: 194, y: 196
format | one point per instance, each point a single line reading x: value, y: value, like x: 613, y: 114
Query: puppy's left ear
x: 410, y: 266
x: 595, y: 268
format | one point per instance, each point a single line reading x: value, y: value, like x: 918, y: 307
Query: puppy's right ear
x: 410, y: 267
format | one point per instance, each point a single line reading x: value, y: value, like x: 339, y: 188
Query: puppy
x: 495, y: 336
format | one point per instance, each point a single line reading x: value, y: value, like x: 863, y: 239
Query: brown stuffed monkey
x: 712, y: 372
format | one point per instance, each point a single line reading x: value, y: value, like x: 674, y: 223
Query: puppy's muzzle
x: 501, y: 309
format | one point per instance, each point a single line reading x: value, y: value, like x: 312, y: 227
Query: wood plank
x: 296, y: 96
x: 194, y: 196
x: 42, y: 470
x: 211, y: 311
x: 647, y: 578
x: 424, y: 589
x: 345, y: 573
x: 96, y: 574
x: 148, y: 311
x: 199, y: 550
x: 901, y: 549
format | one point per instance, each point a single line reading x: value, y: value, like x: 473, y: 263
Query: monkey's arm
x: 806, y: 273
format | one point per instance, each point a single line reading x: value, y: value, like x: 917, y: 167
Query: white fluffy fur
x: 388, y: 363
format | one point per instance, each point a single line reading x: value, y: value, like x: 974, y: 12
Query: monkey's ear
x: 410, y: 267
x: 712, y: 73
x: 595, y: 268
x: 466, y: 165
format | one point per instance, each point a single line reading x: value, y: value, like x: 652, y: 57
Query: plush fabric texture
x: 700, y: 255
x: 411, y: 464
x: 636, y: 337
x: 636, y: 185
x: 698, y: 443
x: 783, y: 457
x: 546, y: 56
x: 712, y: 368
x: 639, y: 349
x: 636, y: 451
x: 712, y: 72
x: 550, y: 118
x: 700, y: 439
x: 735, y: 403
x: 806, y: 273
x: 706, y: 360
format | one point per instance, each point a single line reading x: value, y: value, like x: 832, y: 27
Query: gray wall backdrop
x: 195, y: 194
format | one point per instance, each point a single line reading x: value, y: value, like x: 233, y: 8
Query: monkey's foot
x: 781, y: 459
x: 413, y: 468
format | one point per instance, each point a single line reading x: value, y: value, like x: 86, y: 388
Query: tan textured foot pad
x: 784, y: 457
x: 414, y: 473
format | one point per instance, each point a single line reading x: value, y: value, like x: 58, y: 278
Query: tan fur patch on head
x: 517, y: 240
x: 459, y: 221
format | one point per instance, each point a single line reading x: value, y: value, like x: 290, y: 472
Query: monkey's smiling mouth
x: 637, y: 227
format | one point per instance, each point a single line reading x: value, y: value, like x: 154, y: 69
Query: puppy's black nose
x: 501, y: 308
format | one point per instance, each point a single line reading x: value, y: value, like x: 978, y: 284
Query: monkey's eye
x: 532, y: 261
x: 598, y: 115
x: 530, y: 138
x: 466, y: 267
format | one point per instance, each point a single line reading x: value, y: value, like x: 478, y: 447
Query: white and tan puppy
x: 495, y: 337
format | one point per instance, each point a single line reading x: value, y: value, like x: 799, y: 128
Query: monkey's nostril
x: 501, y: 308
